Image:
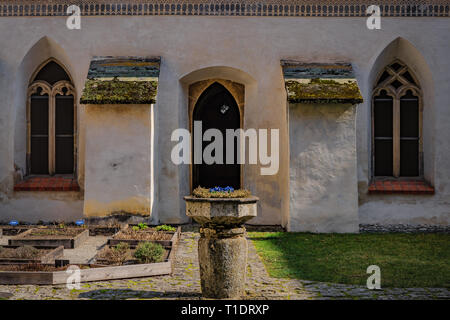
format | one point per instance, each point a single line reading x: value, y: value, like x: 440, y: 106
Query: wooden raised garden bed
x: 49, y: 274
x: 101, y: 260
x: 94, y: 230
x: 69, y: 238
x: 133, y: 238
x: 105, y: 230
x: 14, y: 255
x: 14, y: 230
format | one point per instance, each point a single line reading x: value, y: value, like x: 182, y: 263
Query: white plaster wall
x: 405, y: 209
x: 323, y: 175
x: 48, y: 206
x: 117, y: 160
x: 253, y: 45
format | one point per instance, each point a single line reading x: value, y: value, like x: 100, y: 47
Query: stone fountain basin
x: 221, y: 211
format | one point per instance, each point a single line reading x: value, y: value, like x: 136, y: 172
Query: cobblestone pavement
x: 184, y: 283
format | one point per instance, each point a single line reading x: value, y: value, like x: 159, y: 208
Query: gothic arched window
x: 51, y: 121
x: 397, y: 123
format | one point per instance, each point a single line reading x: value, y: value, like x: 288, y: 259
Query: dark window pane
x: 64, y: 134
x: 383, y: 121
x: 408, y: 77
x: 63, y: 154
x: 52, y: 73
x: 63, y: 114
x: 396, y: 84
x: 383, y: 115
x: 383, y: 77
x: 39, y: 134
x: 409, y: 116
x: 39, y: 115
x: 383, y: 157
x: 396, y: 66
x: 39, y: 155
x: 409, y: 158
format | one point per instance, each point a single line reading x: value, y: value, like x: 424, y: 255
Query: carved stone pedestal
x: 222, y: 247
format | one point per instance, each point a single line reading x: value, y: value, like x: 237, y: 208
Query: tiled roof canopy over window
x: 297, y: 8
x: 121, y: 80
x: 320, y: 82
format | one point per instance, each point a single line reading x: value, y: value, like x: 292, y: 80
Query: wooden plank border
x: 14, y: 230
x: 104, y: 230
x: 68, y: 243
x: 94, y: 230
x: 96, y: 273
x: 50, y: 257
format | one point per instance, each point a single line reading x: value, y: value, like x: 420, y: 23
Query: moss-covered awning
x: 320, y: 82
x: 121, y: 80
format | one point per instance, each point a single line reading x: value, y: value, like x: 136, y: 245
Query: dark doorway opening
x: 217, y: 109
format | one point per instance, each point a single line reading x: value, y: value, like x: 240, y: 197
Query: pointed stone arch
x: 237, y: 90
x: 398, y: 90
x: 44, y: 64
x: 232, y: 80
x: 39, y: 55
x: 217, y: 108
x: 402, y: 51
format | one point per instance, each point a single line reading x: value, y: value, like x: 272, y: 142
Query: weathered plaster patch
x: 118, y: 160
x: 323, y: 181
x: 34, y: 206
x: 137, y: 205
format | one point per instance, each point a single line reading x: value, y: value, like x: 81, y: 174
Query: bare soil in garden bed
x: 68, y: 237
x: 26, y: 254
x: 52, y: 233
x: 148, y: 234
x: 94, y: 230
x: 104, y: 230
x: 23, y: 252
x: 14, y: 230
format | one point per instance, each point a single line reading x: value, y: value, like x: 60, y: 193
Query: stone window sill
x: 61, y: 183
x: 400, y: 187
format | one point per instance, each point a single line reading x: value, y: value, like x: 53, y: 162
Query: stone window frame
x: 396, y: 94
x: 51, y: 91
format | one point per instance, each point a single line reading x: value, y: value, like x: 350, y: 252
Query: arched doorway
x: 217, y: 109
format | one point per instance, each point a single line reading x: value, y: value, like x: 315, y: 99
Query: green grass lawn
x: 405, y: 260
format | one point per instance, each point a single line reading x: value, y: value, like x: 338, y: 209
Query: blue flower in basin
x: 220, y: 189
